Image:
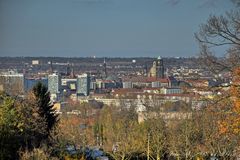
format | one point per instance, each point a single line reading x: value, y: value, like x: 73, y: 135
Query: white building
x: 83, y: 84
x: 35, y: 62
x: 54, y: 85
x: 170, y: 90
x: 127, y: 84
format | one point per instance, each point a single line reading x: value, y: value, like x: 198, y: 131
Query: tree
x: 221, y: 31
x: 234, y: 115
x: 25, y: 123
x: 183, y: 139
x: 21, y: 126
x: 123, y: 137
x: 98, y: 134
x: 157, y: 135
x: 214, y: 140
x: 9, y: 128
x: 33, y: 125
x: 41, y: 97
x: 70, y: 130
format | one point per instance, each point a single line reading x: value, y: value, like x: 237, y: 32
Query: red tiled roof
x: 145, y: 79
x: 135, y: 92
x: 107, y: 81
x: 126, y: 90
x: 153, y: 88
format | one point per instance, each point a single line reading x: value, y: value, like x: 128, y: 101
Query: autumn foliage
x: 232, y: 122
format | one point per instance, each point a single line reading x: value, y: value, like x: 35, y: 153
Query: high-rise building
x: 54, y: 83
x: 12, y: 82
x: 83, y: 84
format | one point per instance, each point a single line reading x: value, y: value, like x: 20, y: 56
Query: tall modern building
x: 12, y: 83
x: 83, y: 84
x: 54, y: 83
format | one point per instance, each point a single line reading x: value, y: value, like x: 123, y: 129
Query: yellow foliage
x: 231, y: 124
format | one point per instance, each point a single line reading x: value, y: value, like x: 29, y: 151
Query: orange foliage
x: 231, y: 123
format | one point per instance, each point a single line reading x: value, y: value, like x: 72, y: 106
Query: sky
x: 104, y: 28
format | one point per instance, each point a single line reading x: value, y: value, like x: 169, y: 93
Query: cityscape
x: 99, y: 82
x: 110, y: 90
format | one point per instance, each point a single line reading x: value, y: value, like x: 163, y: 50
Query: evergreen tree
x: 46, y: 110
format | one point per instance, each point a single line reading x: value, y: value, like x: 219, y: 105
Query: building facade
x: 83, y: 84
x: 29, y: 83
x: 54, y: 83
x: 157, y: 70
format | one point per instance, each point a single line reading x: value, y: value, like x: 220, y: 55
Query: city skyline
x: 104, y: 28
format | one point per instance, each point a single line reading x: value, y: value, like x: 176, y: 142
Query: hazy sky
x: 116, y: 28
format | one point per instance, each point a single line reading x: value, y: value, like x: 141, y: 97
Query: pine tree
x: 42, y: 98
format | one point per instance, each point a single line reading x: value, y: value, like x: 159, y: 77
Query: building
x: 156, y: 84
x: 160, y: 68
x: 127, y: 84
x: 12, y: 82
x: 83, y: 84
x: 171, y: 90
x: 153, y: 70
x: 54, y: 84
x: 29, y: 83
x: 157, y: 70
x: 69, y: 86
x: 35, y: 62
x: 93, y: 85
x: 144, y: 82
x: 173, y: 82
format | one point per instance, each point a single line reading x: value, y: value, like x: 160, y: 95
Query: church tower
x: 157, y: 70
x: 160, y: 68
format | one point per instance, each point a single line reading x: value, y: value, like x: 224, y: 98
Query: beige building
x: 153, y: 70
